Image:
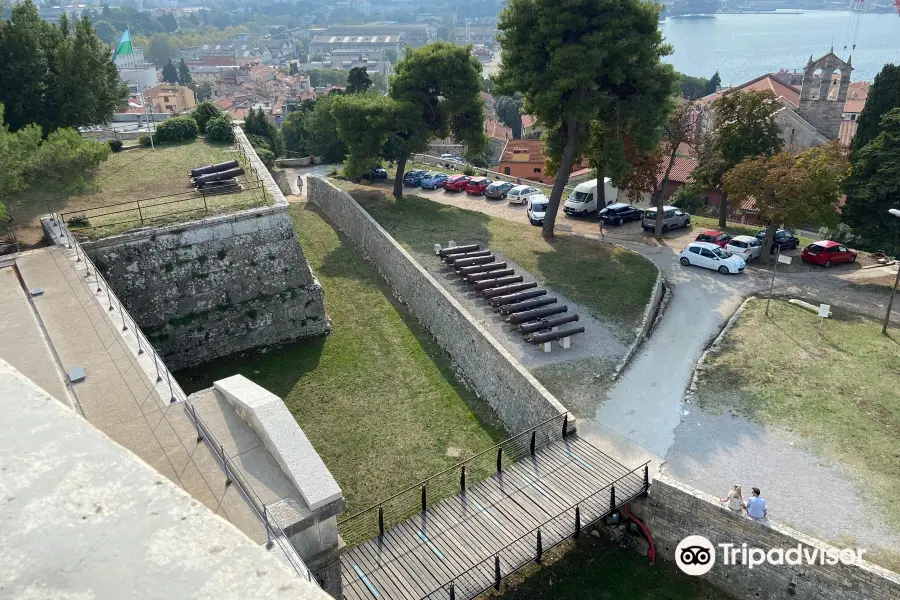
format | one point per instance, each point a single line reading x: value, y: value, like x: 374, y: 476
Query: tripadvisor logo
x: 695, y: 555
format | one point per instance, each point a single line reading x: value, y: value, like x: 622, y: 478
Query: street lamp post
x: 887, y: 315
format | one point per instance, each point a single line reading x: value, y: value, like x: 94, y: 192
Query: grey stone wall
x: 207, y: 289
x: 674, y: 511
x: 517, y: 397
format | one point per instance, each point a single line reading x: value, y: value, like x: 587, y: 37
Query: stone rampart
x: 517, y: 397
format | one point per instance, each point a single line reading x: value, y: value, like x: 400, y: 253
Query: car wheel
x: 619, y: 221
x: 827, y: 264
x: 853, y: 259
x: 685, y: 261
x: 665, y: 228
x: 723, y: 270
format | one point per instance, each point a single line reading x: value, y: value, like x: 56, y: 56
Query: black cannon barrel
x: 494, y: 266
x: 508, y: 289
x: 477, y: 260
x: 223, y: 166
x: 499, y: 282
x: 547, y: 323
x: 540, y: 338
x: 518, y: 297
x: 538, y: 313
x: 214, y: 185
x: 518, y: 307
x: 452, y: 258
x: 475, y: 278
x: 458, y: 249
x: 229, y: 174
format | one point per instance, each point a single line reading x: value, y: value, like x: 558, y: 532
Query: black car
x: 616, y: 214
x: 785, y: 240
x: 378, y: 173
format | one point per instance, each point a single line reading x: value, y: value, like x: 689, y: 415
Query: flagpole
x: 148, y: 112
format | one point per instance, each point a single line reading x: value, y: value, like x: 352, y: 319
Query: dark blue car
x: 414, y: 178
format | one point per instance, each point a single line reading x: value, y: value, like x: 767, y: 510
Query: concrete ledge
x: 276, y: 427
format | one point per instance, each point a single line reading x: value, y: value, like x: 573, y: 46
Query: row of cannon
x: 213, y: 177
x: 533, y: 312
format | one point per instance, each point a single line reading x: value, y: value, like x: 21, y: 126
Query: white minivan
x: 583, y: 199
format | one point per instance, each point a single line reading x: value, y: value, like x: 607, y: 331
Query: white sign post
x: 824, y: 313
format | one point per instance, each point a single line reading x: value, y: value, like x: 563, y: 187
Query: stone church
x: 811, y: 114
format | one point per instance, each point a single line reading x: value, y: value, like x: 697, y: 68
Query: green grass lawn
x: 138, y: 174
x: 596, y: 569
x: 377, y: 397
x: 836, y: 385
x: 609, y: 281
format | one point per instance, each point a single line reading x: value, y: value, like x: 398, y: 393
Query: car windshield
x: 539, y: 208
x: 580, y: 196
x: 722, y: 253
x: 650, y: 214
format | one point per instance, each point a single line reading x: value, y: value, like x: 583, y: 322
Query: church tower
x: 824, y: 91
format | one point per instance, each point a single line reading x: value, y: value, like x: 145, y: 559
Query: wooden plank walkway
x: 458, y: 539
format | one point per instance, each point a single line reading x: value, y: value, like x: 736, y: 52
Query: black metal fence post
x: 462, y: 480
x: 565, y: 431
x: 452, y: 591
x: 269, y: 542
x: 577, y: 521
x: 497, y: 572
x: 424, y: 498
x: 612, y: 498
x: 380, y: 520
x: 140, y: 214
x: 533, y: 441
x: 171, y: 392
x: 540, y: 548
x: 205, y: 206
x: 197, y: 424
x: 646, y: 477
x: 225, y: 465
x: 500, y: 459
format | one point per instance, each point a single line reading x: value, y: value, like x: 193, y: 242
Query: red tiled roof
x: 854, y: 106
x: 528, y: 121
x: 857, y: 94
x: 847, y: 131
x: 497, y: 130
x: 681, y: 169
x: 749, y: 205
x: 761, y: 83
x: 534, y: 149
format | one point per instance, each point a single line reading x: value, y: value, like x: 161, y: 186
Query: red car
x: 827, y: 253
x: 477, y: 185
x: 456, y: 183
x: 713, y: 236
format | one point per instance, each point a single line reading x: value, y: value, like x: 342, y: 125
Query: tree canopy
x: 744, y: 126
x: 170, y: 72
x: 358, y: 81
x: 883, y: 97
x: 690, y: 87
x: 596, y: 60
x: 712, y: 86
x: 509, y: 111
x: 370, y: 114
x: 320, y: 129
x: 55, y: 75
x: 162, y: 50
x: 873, y: 188
x: 790, y: 189
x: 184, y: 74
x: 203, y: 112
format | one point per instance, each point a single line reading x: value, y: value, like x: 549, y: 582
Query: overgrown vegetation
x: 176, y: 129
x: 377, y: 397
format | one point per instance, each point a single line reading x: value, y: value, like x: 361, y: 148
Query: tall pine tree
x: 169, y: 72
x: 184, y: 75
x: 883, y: 97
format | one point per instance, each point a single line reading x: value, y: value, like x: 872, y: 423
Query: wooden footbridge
x: 505, y: 508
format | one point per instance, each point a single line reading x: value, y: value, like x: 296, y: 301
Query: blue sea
x: 742, y: 47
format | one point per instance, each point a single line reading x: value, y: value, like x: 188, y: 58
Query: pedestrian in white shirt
x: 734, y: 499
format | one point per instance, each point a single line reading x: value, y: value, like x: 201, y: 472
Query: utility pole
x: 772, y: 283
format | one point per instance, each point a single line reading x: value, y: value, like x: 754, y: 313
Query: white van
x: 583, y: 199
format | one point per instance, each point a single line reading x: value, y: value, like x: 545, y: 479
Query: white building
x: 134, y: 72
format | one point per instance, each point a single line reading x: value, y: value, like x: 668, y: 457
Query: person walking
x: 734, y: 499
x: 755, y: 506
x: 299, y: 185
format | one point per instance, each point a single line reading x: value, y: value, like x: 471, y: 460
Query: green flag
x: 124, y: 48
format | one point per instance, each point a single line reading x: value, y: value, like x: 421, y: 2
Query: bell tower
x: 824, y: 91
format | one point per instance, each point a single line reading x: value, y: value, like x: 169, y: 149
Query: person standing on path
x: 734, y: 499
x: 299, y: 185
x: 756, y: 506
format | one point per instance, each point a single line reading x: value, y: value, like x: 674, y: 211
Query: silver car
x: 673, y: 217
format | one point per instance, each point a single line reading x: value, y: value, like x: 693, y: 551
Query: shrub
x: 219, y: 129
x: 78, y: 221
x: 266, y: 156
x: 144, y: 140
x: 177, y: 129
x: 469, y: 171
x: 203, y: 113
x: 841, y: 234
x: 688, y: 198
x: 259, y: 142
x: 115, y: 145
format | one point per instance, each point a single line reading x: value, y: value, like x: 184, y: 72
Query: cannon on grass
x: 489, y: 275
x: 457, y: 249
x: 219, y: 176
x: 223, y: 166
x: 475, y: 260
x: 508, y: 289
x: 559, y: 334
x: 518, y: 307
x: 494, y: 266
x: 499, y: 282
x: 517, y: 297
x: 452, y: 258
x: 538, y: 313
x: 544, y: 324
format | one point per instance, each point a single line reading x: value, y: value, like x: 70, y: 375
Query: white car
x: 710, y: 256
x: 745, y: 246
x: 521, y: 194
x: 537, y: 208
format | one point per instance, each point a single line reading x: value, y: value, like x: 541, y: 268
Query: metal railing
x: 531, y: 546
x: 97, y: 284
x: 370, y: 522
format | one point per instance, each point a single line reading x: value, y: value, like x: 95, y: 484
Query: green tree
x: 65, y: 159
x: 55, y: 75
x: 325, y: 77
x: 16, y: 151
x: 883, y: 97
x: 509, y: 111
x: 204, y: 91
x: 690, y: 87
x: 220, y: 129
x: 712, y: 86
x: 203, y: 112
x: 790, y: 190
x: 162, y: 49
x: 257, y: 124
x: 873, y: 187
x: 184, y: 74
x: 293, y: 130
x: 321, y: 130
x: 107, y: 33
x: 358, y: 81
x: 168, y: 22
x: 364, y: 123
x: 170, y: 72
x: 439, y: 87
x: 593, y: 61
x: 391, y: 55
x: 744, y: 126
